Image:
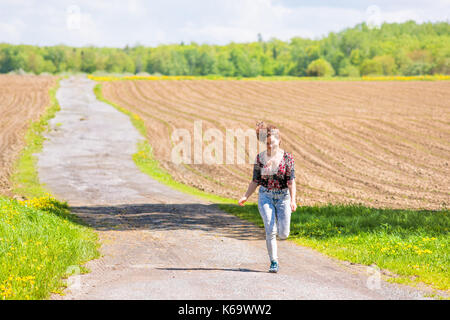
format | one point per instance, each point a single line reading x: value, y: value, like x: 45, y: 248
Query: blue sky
x: 117, y: 23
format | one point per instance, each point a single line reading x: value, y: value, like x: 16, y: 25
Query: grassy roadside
x: 413, y: 244
x: 41, y: 242
x: 25, y: 178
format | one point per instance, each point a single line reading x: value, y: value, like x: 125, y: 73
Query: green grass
x: 146, y: 163
x: 413, y: 244
x: 25, y: 178
x: 41, y: 242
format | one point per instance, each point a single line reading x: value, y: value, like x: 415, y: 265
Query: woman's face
x: 273, y: 142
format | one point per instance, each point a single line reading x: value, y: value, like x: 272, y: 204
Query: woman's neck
x: 272, y: 151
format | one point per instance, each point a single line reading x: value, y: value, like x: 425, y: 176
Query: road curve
x: 158, y: 243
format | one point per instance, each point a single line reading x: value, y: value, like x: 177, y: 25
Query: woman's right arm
x: 256, y: 180
x: 251, y: 188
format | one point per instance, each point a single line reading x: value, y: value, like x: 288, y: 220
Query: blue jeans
x: 275, y: 210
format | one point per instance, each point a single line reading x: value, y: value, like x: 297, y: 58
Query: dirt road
x: 161, y: 244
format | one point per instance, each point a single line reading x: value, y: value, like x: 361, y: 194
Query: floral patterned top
x: 286, y: 172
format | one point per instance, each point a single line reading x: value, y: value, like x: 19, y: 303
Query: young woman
x: 274, y: 171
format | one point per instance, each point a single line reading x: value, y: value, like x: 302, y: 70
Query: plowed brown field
x: 383, y: 144
x: 22, y: 98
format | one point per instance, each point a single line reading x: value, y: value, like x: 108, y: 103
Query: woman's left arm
x: 292, y: 190
x: 291, y: 182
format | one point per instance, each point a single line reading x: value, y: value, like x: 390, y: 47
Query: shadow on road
x: 210, y: 269
x: 188, y: 216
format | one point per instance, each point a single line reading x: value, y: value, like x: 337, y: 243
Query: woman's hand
x: 242, y: 200
x: 293, y: 205
x: 251, y: 188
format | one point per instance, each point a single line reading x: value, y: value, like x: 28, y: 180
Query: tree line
x: 391, y: 49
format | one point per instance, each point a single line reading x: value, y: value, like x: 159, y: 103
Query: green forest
x: 392, y: 49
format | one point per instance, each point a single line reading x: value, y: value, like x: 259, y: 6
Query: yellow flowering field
x: 217, y: 77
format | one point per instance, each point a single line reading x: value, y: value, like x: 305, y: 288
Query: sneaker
x: 273, y: 266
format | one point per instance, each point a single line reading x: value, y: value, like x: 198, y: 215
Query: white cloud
x: 249, y: 17
x: 401, y: 16
x: 12, y: 30
x: 117, y: 23
x: 136, y: 7
x: 87, y: 33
